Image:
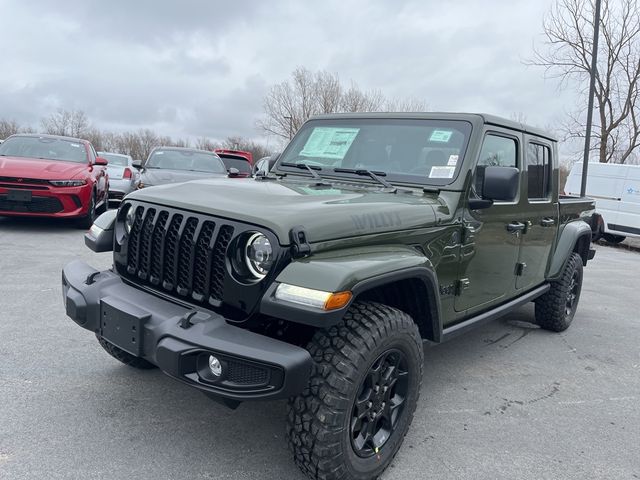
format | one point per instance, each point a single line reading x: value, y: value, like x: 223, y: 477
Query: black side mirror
x: 499, y: 183
x: 137, y: 164
x: 233, y: 172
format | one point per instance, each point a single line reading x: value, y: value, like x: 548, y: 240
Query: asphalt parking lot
x: 504, y: 401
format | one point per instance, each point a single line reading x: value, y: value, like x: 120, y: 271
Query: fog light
x: 215, y: 366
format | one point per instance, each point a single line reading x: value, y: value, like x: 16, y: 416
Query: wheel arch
x: 574, y: 237
x: 399, y: 276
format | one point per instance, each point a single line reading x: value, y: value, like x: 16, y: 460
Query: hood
x: 162, y: 176
x: 326, y: 213
x: 41, y: 169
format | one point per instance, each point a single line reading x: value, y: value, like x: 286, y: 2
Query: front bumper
x: 47, y: 201
x: 180, y: 340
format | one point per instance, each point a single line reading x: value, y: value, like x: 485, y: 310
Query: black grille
x: 20, y: 180
x: 244, y: 374
x: 36, y: 205
x: 180, y: 253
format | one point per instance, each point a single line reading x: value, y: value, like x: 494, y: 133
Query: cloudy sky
x: 202, y: 68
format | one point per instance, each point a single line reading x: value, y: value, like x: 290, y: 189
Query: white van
x: 616, y: 190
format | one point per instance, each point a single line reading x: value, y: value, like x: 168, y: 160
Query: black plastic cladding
x: 184, y: 255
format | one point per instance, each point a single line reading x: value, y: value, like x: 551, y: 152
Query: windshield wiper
x: 310, y: 169
x: 368, y: 173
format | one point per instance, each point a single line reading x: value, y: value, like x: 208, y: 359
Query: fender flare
x: 358, y: 270
x: 567, y: 240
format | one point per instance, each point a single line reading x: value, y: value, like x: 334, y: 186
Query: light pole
x: 592, y: 86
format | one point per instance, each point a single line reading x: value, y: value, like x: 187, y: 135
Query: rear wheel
x: 609, y: 237
x: 555, y: 309
x: 352, y: 418
x: 124, y: 357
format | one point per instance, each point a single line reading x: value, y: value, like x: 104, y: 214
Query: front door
x: 490, y: 247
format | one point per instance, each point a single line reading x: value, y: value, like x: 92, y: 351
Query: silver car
x: 123, y: 177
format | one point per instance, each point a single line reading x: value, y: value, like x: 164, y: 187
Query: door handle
x: 547, y: 222
x: 515, y: 227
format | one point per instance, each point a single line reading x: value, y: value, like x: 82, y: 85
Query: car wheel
x: 613, y: 238
x: 352, y: 418
x: 124, y: 357
x: 555, y: 309
x: 86, y: 221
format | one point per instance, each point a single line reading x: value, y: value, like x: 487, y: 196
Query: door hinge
x: 520, y: 268
x: 462, y: 285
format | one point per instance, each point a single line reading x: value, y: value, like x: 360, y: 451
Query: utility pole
x: 592, y: 87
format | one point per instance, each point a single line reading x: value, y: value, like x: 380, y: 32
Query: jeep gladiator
x: 320, y: 280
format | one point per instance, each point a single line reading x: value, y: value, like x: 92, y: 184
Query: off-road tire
x: 552, y: 311
x: 124, y: 357
x: 319, y: 419
x: 615, y: 239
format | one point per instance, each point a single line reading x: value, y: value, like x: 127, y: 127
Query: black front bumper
x: 180, y: 340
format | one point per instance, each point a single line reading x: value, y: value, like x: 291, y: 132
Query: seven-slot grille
x: 180, y: 253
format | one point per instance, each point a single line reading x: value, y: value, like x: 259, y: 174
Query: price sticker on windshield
x: 440, y: 136
x: 442, y: 172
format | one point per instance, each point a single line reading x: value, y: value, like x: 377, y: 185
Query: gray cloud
x: 195, y: 68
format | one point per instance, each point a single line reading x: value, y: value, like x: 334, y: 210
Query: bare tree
x: 289, y: 104
x: 71, y: 123
x: 8, y: 128
x: 568, y: 43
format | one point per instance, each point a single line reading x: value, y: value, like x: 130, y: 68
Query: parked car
x: 240, y: 160
x: 616, y: 190
x: 177, y: 164
x: 52, y: 176
x: 123, y: 177
x: 320, y: 281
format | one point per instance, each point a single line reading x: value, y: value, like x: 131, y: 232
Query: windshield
x: 186, y: 160
x: 115, y: 159
x: 46, y: 148
x: 241, y: 164
x: 406, y: 150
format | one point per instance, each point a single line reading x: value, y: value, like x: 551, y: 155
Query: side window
x: 538, y: 170
x: 497, y: 151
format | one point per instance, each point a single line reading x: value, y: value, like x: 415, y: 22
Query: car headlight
x: 67, y: 183
x: 129, y: 219
x: 258, y: 255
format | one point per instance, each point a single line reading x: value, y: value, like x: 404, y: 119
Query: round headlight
x: 129, y: 219
x: 258, y: 255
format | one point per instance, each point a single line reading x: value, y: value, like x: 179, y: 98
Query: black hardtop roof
x: 470, y: 117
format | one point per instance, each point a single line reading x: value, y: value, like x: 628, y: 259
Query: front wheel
x: 86, y: 221
x: 352, y: 418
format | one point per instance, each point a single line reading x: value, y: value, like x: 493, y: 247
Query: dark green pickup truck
x: 319, y: 280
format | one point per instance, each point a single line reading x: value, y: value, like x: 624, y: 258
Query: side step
x: 465, y: 325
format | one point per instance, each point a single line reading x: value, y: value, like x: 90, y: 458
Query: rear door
x: 490, y: 249
x: 539, y: 212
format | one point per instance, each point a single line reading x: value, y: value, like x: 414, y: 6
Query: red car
x: 238, y: 159
x: 52, y: 176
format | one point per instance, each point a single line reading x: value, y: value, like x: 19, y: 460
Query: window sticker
x: 442, y: 172
x: 328, y: 142
x: 159, y: 153
x: 440, y: 136
x: 453, y: 160
x: 77, y: 145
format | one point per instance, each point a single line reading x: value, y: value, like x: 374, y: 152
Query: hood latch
x: 300, y: 248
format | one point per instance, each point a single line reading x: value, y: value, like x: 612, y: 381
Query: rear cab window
x: 538, y: 159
